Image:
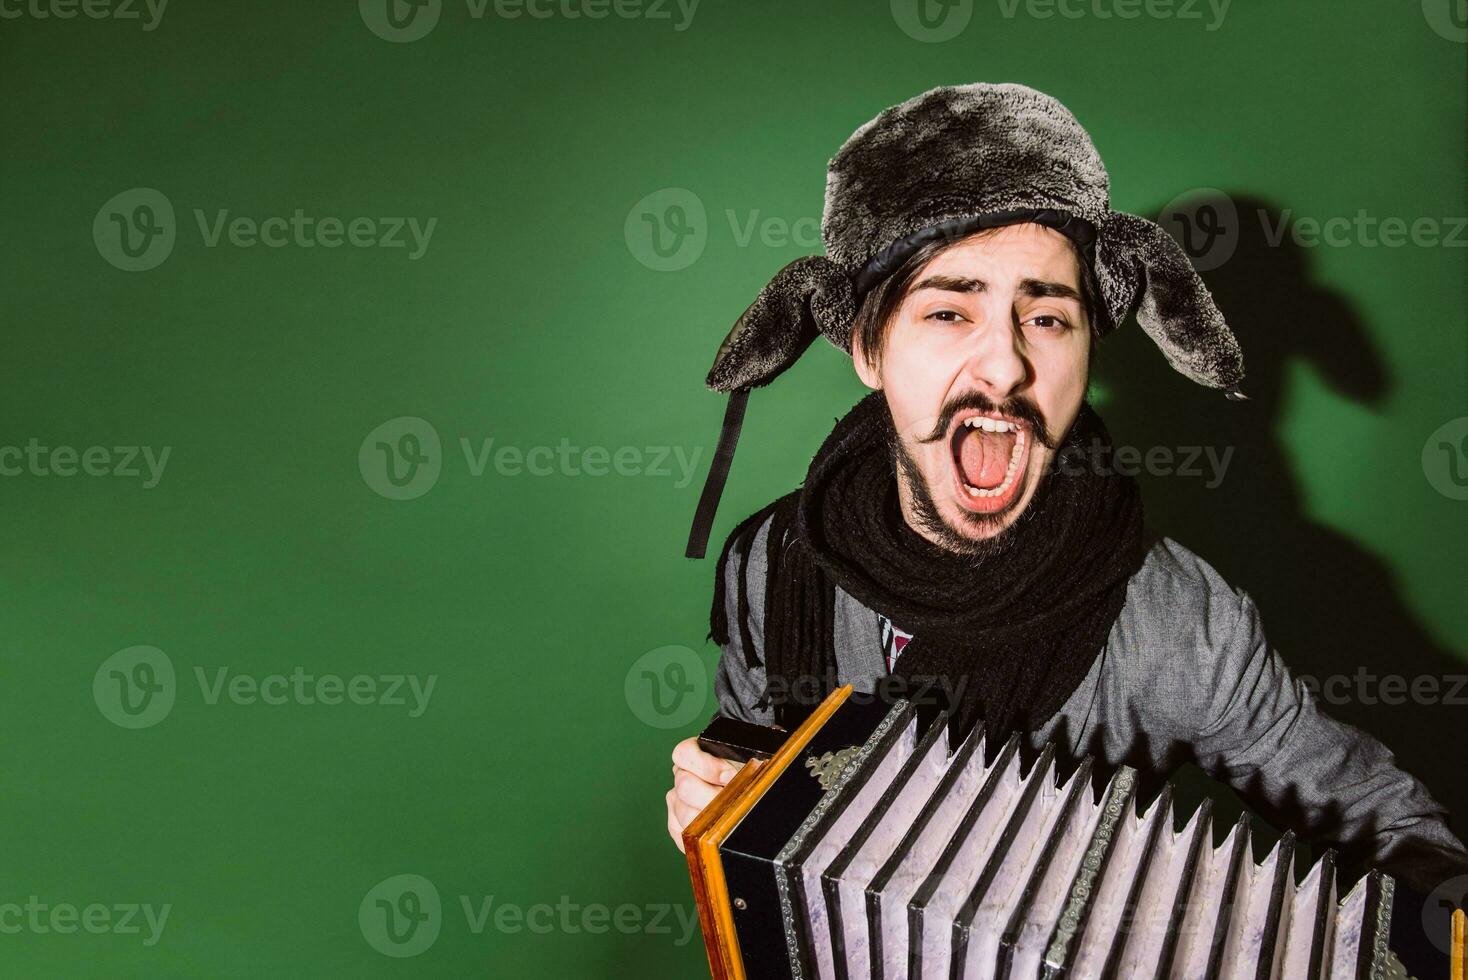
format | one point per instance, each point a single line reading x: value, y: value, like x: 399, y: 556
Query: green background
x: 534, y: 773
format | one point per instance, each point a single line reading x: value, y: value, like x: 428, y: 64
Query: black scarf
x: 1008, y: 634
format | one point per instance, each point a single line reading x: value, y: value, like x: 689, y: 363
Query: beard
x: 928, y: 520
x: 936, y: 528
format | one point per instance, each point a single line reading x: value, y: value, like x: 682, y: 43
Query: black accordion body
x: 866, y: 847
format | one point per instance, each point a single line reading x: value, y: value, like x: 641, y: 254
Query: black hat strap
x: 713, y: 485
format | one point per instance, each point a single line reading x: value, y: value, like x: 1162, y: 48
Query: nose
x: 997, y: 363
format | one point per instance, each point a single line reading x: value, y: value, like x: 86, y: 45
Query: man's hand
x: 697, y: 779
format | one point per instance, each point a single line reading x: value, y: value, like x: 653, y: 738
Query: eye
x: 1049, y: 322
x: 944, y: 316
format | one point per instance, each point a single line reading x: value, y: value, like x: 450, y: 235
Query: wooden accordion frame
x: 865, y: 847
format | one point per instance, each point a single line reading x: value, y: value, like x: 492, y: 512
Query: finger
x: 675, y: 829
x: 683, y: 814
x: 687, y: 755
x: 694, y: 791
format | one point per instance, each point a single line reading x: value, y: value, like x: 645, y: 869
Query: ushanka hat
x: 941, y: 166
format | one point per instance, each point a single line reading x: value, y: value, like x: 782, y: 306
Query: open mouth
x: 990, y: 453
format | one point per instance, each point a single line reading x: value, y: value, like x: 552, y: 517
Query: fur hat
x: 943, y: 165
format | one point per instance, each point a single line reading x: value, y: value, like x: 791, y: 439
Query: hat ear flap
x: 808, y: 297
x: 1140, y: 268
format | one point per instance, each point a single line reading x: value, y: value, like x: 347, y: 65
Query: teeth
x: 990, y: 425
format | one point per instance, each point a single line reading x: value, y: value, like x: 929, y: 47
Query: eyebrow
x: 1038, y: 288
x: 1034, y: 288
x: 952, y: 284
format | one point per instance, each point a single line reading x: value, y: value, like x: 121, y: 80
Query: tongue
x: 984, y: 457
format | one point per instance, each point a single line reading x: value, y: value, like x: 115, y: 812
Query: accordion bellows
x: 868, y: 848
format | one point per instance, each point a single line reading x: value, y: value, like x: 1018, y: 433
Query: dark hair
x: 879, y: 305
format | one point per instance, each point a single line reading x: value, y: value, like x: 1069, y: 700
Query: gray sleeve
x: 1266, y: 736
x: 737, y: 685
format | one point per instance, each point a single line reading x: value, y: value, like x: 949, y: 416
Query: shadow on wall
x: 1329, y: 606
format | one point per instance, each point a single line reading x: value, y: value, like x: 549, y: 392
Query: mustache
x: 1018, y: 407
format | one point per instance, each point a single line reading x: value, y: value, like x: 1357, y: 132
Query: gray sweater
x: 1186, y: 676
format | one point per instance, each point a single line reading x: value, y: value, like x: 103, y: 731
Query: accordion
x: 863, y: 846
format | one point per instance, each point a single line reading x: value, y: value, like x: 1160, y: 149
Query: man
x: 959, y: 528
